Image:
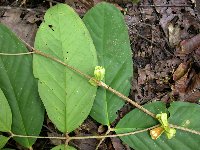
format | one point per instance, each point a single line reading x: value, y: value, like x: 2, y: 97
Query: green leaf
x: 3, y: 141
x: 5, y: 114
x: 181, y: 113
x: 20, y: 88
x: 137, y: 119
x: 67, y: 96
x: 109, y: 33
x: 63, y: 147
x: 185, y: 114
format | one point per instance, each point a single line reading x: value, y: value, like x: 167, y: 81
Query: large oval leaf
x: 5, y: 114
x: 20, y: 88
x: 67, y: 96
x: 182, y: 114
x: 109, y: 33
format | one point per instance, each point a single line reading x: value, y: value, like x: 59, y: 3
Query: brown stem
x: 116, y: 135
x: 37, y: 137
x: 185, y: 129
x: 89, y: 77
x: 127, y: 99
x: 67, y: 139
x: 98, y: 82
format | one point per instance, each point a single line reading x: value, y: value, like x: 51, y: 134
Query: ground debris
x: 23, y: 24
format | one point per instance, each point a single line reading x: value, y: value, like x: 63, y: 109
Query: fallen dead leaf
x: 116, y: 142
x: 180, y: 71
x: 188, y: 86
x: 174, y: 35
x: 85, y: 144
x: 14, y: 20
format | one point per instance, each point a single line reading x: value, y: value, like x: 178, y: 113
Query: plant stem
x: 116, y: 135
x: 98, y: 82
x: 17, y: 54
x: 67, y: 138
x: 106, y: 136
x: 185, y: 129
x: 102, y: 84
x: 37, y: 137
x: 127, y: 99
x: 107, y: 132
x: 33, y: 50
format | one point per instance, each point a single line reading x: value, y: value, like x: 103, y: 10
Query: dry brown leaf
x: 180, y: 71
x: 174, y: 35
x: 14, y: 20
x: 188, y: 86
x: 85, y: 144
x: 190, y: 45
x: 116, y: 142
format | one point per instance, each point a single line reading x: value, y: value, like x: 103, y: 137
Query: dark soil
x: 156, y: 35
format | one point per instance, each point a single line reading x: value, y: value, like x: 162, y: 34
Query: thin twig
x: 127, y: 99
x: 106, y: 87
x: 98, y: 82
x: 43, y: 11
x: 107, y: 136
x: 59, y: 61
x: 16, y: 54
x: 86, y: 137
x: 21, y: 8
x: 143, y: 37
x: 166, y: 5
x: 37, y: 137
x: 102, y: 84
x: 115, y: 135
x: 52, y: 1
x: 185, y: 129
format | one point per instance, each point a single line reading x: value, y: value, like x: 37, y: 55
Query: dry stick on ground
x: 21, y: 8
x: 43, y: 11
x: 165, y: 5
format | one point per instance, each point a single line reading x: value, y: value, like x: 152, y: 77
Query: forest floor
x: 165, y: 40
